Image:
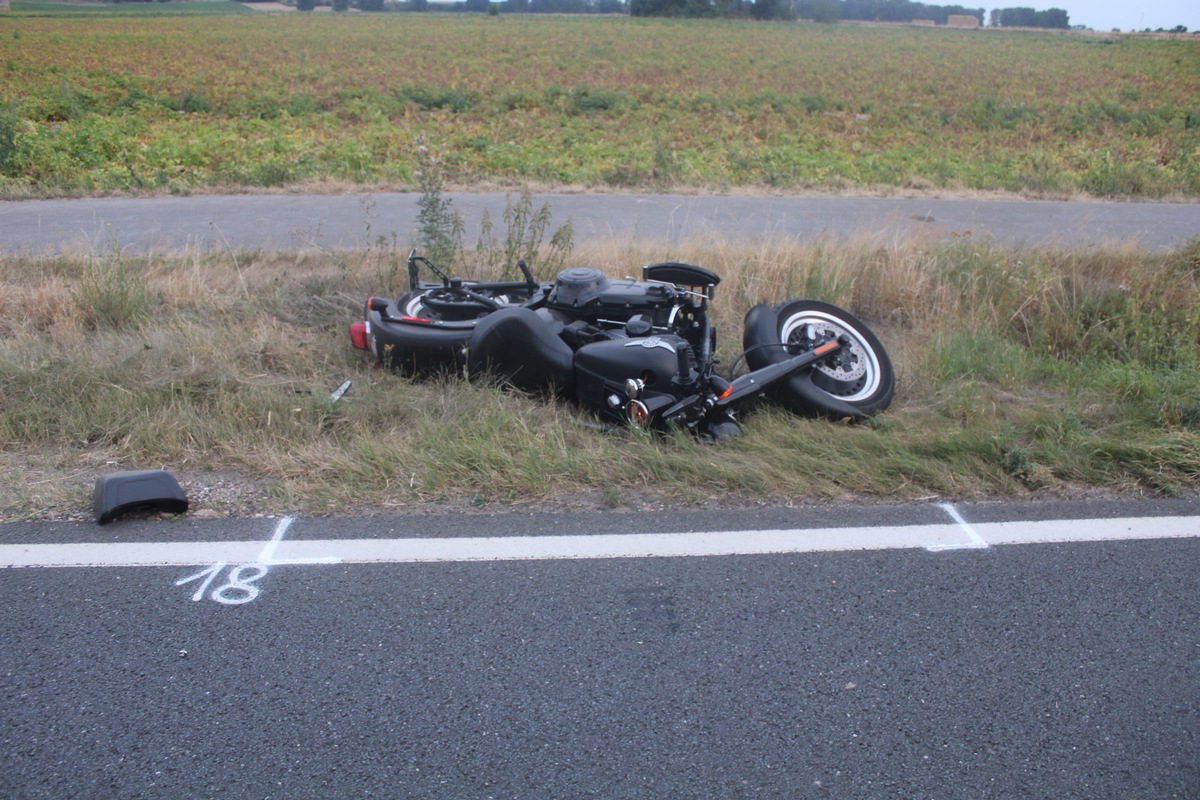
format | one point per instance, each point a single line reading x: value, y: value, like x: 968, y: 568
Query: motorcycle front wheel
x: 860, y: 375
x: 447, y: 306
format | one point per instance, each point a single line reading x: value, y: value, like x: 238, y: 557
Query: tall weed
x: 524, y: 234
x: 109, y: 294
x: 440, y: 231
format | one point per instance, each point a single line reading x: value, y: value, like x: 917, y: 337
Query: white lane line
x: 267, y: 556
x: 1090, y: 530
x: 974, y: 541
x: 633, y: 545
x: 648, y: 545
x: 128, y: 554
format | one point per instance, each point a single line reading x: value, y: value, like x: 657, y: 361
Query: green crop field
x: 140, y: 102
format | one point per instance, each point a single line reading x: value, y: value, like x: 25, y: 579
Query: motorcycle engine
x: 653, y: 359
x: 603, y: 369
x: 585, y: 293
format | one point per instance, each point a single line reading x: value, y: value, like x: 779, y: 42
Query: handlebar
x: 415, y: 261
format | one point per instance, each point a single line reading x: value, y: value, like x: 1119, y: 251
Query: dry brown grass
x: 1018, y: 371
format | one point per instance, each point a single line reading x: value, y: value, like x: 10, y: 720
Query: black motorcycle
x: 639, y: 352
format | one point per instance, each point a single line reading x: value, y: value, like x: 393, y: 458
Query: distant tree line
x: 903, y: 11
x: 483, y: 6
x: 759, y: 9
x: 1030, y: 18
x: 817, y: 10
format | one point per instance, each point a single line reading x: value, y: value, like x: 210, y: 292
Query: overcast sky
x: 1127, y: 15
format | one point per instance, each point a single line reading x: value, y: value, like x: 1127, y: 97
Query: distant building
x: 962, y: 21
x: 5, y: 5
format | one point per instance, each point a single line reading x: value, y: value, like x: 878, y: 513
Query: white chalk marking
x: 646, y: 545
x: 974, y: 543
x: 240, y: 588
x: 209, y: 574
x: 268, y: 552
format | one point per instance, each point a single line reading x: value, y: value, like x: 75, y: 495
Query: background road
x: 298, y: 223
x: 1031, y: 671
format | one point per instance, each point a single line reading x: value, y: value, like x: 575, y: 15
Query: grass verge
x: 1020, y: 372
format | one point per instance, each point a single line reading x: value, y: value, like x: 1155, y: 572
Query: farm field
x: 93, y: 104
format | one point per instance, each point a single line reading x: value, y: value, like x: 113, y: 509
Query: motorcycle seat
x: 520, y: 347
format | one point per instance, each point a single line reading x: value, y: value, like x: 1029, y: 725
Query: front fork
x: 757, y: 381
x: 716, y: 393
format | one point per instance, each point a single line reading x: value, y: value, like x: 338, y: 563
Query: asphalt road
x: 1034, y: 671
x: 1031, y: 671
x: 299, y: 223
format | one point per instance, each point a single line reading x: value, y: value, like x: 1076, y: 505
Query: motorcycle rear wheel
x: 860, y: 375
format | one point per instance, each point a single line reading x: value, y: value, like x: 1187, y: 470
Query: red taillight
x: 358, y: 335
